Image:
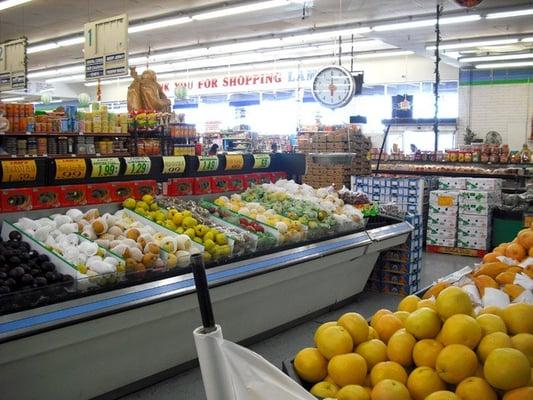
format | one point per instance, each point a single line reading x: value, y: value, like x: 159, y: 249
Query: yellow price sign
x: 137, y: 165
x: 174, y: 165
x: 70, y: 168
x: 261, y: 161
x: 207, y: 163
x: 445, y: 201
x: 19, y: 171
x: 105, y: 167
x: 234, y: 161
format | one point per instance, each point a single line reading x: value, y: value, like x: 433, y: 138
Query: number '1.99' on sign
x: 137, y: 165
x: 105, y: 167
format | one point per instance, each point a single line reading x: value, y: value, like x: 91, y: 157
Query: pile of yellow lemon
x: 426, y: 350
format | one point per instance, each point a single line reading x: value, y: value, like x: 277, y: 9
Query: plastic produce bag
x: 232, y: 372
x: 495, y: 297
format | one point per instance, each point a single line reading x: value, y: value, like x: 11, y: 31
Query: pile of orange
x: 433, y: 349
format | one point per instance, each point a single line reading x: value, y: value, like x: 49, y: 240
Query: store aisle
x: 279, y: 347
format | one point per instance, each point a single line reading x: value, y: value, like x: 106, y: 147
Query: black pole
x: 202, y: 291
x: 437, y: 79
x: 382, y: 147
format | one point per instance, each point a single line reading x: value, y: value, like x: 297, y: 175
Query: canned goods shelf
x: 68, y: 134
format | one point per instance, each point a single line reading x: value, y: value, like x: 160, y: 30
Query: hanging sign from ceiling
x: 13, y: 66
x: 106, y: 48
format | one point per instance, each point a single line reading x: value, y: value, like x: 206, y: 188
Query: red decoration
x: 468, y: 3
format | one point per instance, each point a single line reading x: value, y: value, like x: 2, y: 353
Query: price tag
x: 137, y: 165
x: 207, y: 164
x: 70, y: 168
x: 445, y: 201
x: 19, y: 170
x: 261, y: 161
x: 104, y: 167
x: 173, y: 165
x: 234, y: 161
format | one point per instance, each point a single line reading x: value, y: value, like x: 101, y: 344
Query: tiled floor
x: 188, y: 386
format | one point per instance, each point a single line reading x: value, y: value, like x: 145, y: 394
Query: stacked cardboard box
x: 398, y: 269
x: 442, y: 218
x: 474, y: 229
x: 344, y: 140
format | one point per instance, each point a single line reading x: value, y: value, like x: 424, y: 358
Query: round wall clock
x: 333, y: 86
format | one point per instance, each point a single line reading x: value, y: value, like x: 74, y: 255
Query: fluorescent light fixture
x: 4, y: 5
x: 70, y: 78
x: 56, y: 72
x: 110, y: 82
x: 474, y: 43
x: 308, y: 37
x: 528, y: 39
x: 503, y: 57
x: 425, y: 22
x: 41, y: 47
x: 12, y: 99
x: 227, y: 11
x: 505, y: 65
x: 384, y: 54
x: 509, y: 14
x: 71, y: 41
x: 164, y: 23
x: 47, y: 90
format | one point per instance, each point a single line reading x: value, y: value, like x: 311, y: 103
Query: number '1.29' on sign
x: 207, y: 164
x: 137, y: 165
x: 105, y: 167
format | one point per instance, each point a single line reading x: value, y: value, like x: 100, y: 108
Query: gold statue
x: 145, y: 93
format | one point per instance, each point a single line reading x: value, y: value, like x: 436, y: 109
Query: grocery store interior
x: 266, y: 199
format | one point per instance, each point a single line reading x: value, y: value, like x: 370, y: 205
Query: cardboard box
x: 443, y: 210
x: 472, y: 231
x: 441, y: 232
x: 442, y: 220
x: 45, y: 197
x: 452, y: 183
x: 202, y: 185
x: 179, y: 187
x: 444, y: 198
x: 489, y: 184
x: 16, y: 199
x: 145, y: 187
x: 236, y: 182
x: 478, y: 243
x: 475, y: 209
x: 120, y: 191
x: 98, y: 193
x: 440, y: 242
x: 476, y: 197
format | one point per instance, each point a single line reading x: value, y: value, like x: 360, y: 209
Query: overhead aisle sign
x: 13, y: 66
x: 106, y: 48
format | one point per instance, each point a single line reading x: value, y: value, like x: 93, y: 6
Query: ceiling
x: 40, y: 20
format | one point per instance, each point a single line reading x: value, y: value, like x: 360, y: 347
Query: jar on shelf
x: 468, y: 156
x: 476, y: 153
x: 42, y: 146
x: 461, y: 157
x: 494, y: 158
x: 454, y: 155
x: 505, y: 158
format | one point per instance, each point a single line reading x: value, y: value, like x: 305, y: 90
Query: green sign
x: 137, y: 165
x: 261, y: 161
x: 207, y: 164
x: 105, y: 167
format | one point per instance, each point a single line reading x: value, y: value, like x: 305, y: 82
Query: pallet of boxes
x: 459, y: 220
x: 344, y: 140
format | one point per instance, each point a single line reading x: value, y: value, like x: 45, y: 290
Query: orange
x: 491, y: 257
x: 443, y: 395
x: 496, y: 340
x: 334, y: 340
x: 455, y: 363
x: 425, y: 352
x: 492, y: 310
x: 453, y: 300
x: 352, y: 392
x: 400, y: 347
x: 525, y: 238
x: 388, y: 370
x: 373, y: 351
x: 377, y: 315
x: 322, y: 327
x: 402, y: 315
x: 347, y: 369
x: 524, y: 343
x: 356, y: 326
x: 429, y: 303
x: 409, y: 303
x: 387, y: 325
x: 372, y: 334
x: 328, y: 379
x: 523, y: 393
x: 324, y: 389
x: 518, y: 318
x: 423, y: 381
x: 423, y: 323
x: 310, y: 365
x: 389, y: 389
x: 516, y: 252
x: 461, y: 329
x: 507, y: 369
x: 474, y: 388
x: 491, y: 323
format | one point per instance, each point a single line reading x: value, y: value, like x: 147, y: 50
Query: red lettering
x: 233, y: 81
x: 214, y: 82
x: 257, y: 79
x: 240, y: 80
x: 225, y: 82
x: 269, y: 79
x: 277, y: 77
x: 248, y: 79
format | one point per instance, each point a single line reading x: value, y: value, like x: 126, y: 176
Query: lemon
x: 208, y: 244
x: 189, y: 222
x: 190, y: 232
x: 148, y: 199
x: 221, y: 239
x: 310, y: 365
x: 129, y: 203
x: 324, y: 389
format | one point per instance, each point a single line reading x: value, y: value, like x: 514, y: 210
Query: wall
x: 499, y: 100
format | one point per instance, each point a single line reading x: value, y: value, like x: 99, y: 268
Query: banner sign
x: 13, y: 66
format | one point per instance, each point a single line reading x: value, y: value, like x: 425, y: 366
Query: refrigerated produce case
x: 109, y: 343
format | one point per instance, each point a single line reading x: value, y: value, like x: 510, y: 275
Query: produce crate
x: 16, y: 199
x: 75, y: 195
x: 120, y: 191
x: 457, y: 251
x: 45, y: 197
x: 99, y: 193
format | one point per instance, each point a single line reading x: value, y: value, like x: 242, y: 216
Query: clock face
x: 333, y: 86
